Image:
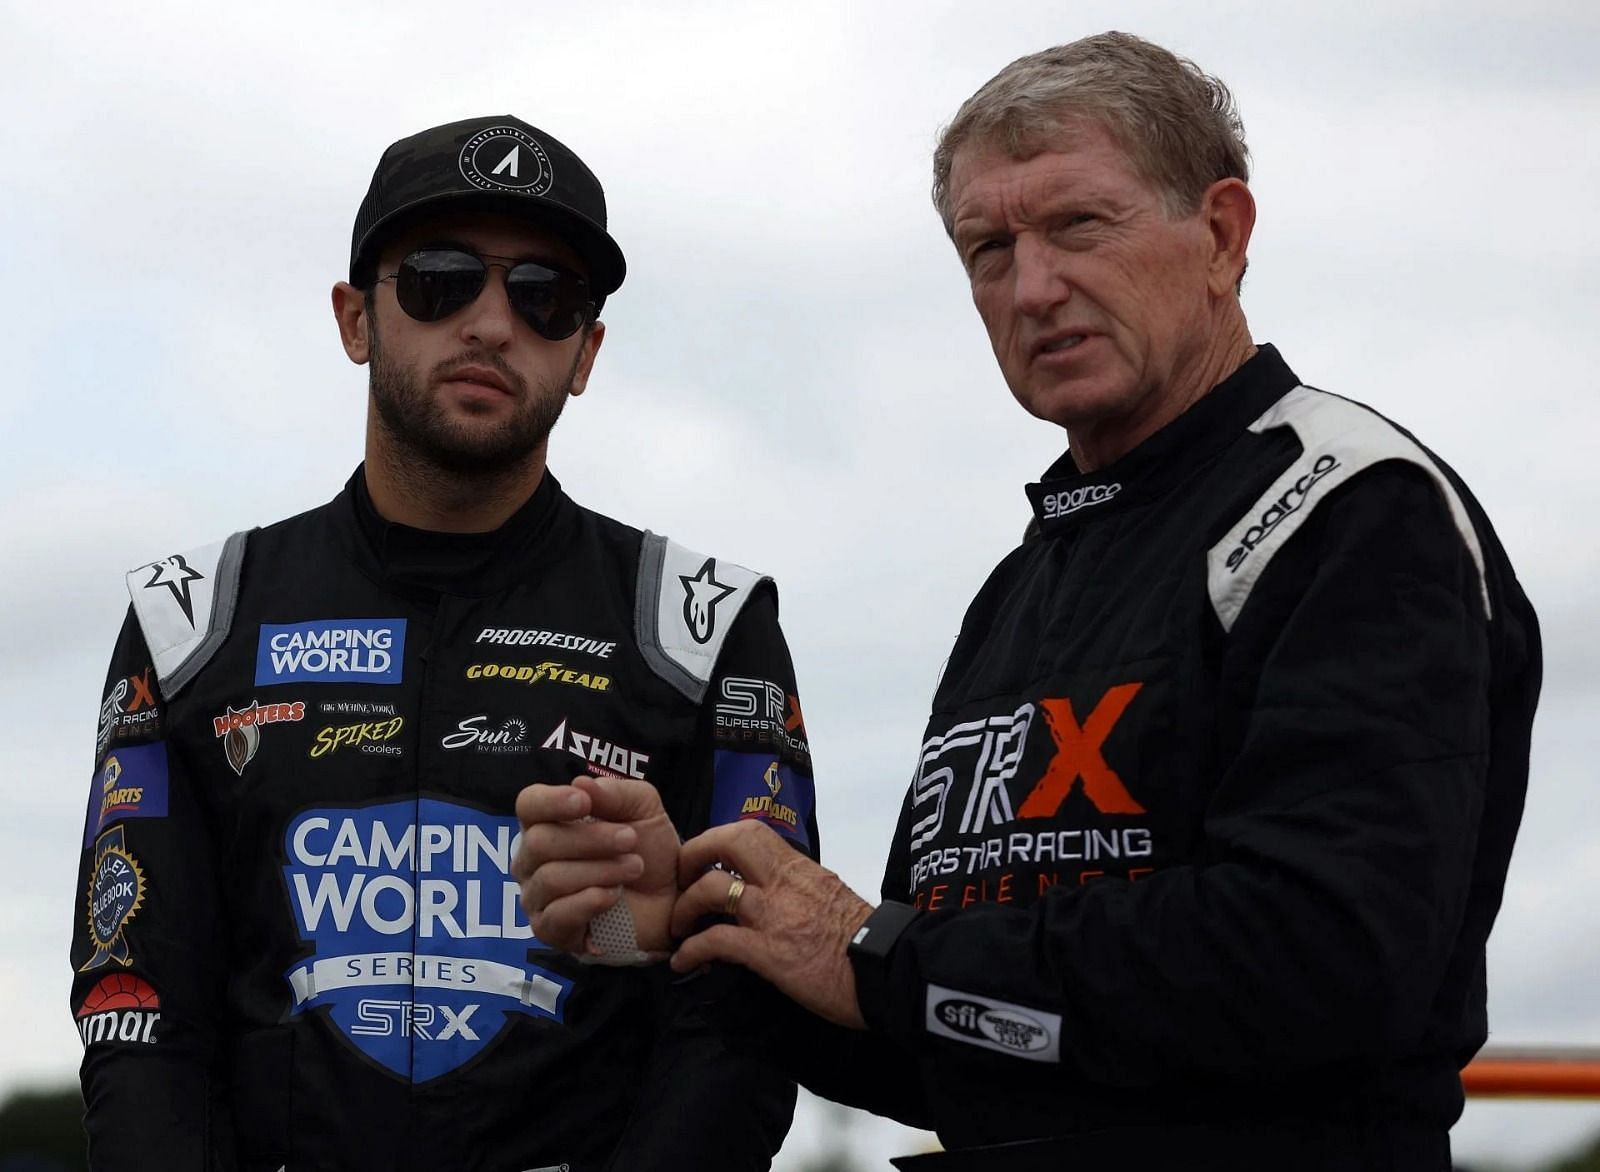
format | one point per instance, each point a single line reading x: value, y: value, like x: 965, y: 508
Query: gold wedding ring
x: 735, y: 893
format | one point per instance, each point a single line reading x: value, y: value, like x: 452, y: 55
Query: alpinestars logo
x: 175, y: 574
x: 1279, y: 510
x: 701, y: 593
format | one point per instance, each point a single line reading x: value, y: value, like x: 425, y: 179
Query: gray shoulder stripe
x: 185, y: 605
x: 684, y: 607
x: 1338, y: 440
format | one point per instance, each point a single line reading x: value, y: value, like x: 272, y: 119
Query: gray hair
x: 1178, y: 125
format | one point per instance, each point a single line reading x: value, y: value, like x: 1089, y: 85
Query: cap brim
x: 593, y: 244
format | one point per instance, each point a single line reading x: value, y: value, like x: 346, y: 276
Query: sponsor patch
x: 120, y: 1008
x: 357, y: 708
x: 548, y: 671
x: 116, y: 893
x: 332, y: 651
x: 760, y: 786
x: 420, y: 949
x: 485, y: 734
x: 130, y: 783
x: 554, y: 640
x: 240, y: 728
x: 599, y: 754
x: 1017, y: 1030
x: 370, y: 737
x: 755, y: 713
x: 1066, y: 501
x: 129, y: 711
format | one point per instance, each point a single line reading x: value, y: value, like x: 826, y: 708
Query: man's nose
x: 490, y: 321
x: 1040, y: 275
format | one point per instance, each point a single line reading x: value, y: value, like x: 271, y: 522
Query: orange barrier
x: 1554, y: 1072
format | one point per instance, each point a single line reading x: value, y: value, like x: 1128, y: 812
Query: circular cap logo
x: 503, y: 158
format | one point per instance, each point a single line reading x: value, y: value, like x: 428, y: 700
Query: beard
x: 422, y: 430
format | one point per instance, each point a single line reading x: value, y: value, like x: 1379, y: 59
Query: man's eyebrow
x: 543, y: 257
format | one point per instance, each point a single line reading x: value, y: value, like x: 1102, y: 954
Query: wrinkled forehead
x: 485, y: 233
x: 1087, y: 147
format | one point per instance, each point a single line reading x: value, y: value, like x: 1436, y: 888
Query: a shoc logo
x: 524, y: 674
x: 1070, y: 500
x: 120, y: 1008
x: 417, y: 931
x: 555, y: 640
x: 348, y: 651
x: 601, y: 755
x: 1275, y: 513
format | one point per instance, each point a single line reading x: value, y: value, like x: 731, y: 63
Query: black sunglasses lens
x: 553, y: 301
x: 435, y: 282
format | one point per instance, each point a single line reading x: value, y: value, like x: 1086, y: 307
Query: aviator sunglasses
x: 433, y: 283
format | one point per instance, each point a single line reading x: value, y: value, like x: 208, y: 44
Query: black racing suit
x: 1213, y: 812
x: 298, y: 945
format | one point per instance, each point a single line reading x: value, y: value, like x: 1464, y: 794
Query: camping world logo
x: 420, y: 951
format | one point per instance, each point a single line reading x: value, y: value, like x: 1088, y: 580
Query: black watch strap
x: 869, y: 955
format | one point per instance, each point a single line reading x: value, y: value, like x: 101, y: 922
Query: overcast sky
x: 793, y: 375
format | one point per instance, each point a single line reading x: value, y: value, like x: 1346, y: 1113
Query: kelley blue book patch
x: 332, y: 651
x: 759, y: 785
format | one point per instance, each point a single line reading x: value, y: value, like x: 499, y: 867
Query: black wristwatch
x: 870, y: 948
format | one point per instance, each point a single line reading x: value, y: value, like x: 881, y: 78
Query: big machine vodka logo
x: 421, y: 947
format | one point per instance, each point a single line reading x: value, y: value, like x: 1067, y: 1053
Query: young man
x: 1213, y: 811
x: 299, y: 945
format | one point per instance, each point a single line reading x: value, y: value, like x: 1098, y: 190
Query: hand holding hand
x: 587, y: 845
x: 794, y: 917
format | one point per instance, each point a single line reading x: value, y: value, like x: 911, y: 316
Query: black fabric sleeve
x: 706, y: 1103
x: 146, y: 957
x: 1337, y: 850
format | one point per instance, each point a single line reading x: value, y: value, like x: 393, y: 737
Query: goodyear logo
x: 420, y: 948
x: 332, y: 651
x: 556, y: 673
x: 760, y: 786
x: 130, y: 783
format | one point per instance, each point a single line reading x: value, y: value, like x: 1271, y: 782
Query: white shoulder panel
x: 185, y: 607
x: 685, y: 607
x: 1338, y: 439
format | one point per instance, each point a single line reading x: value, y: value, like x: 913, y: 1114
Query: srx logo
x: 1078, y: 755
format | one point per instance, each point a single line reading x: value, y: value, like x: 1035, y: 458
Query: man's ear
x: 1230, y: 216
x: 350, y: 311
x: 590, y: 347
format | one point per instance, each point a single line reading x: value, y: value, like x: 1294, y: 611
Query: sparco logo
x: 1286, y: 505
x: 1070, y: 500
x: 1004, y: 1027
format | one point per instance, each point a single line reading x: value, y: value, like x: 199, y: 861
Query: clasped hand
x: 603, y: 839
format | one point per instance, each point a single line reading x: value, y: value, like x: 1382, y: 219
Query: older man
x: 1212, y: 815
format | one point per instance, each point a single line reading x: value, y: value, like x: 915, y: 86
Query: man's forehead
x: 1079, y: 152
x: 488, y: 233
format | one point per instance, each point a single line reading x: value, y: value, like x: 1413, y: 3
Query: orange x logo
x: 1078, y: 755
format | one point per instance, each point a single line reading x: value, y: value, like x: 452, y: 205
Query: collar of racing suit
x: 468, y: 564
x: 1065, y: 497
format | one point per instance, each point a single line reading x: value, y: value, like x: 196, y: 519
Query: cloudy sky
x: 793, y: 375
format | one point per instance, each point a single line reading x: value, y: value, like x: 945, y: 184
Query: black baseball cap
x: 496, y: 164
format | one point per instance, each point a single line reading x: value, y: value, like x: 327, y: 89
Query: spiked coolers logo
x: 420, y: 948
